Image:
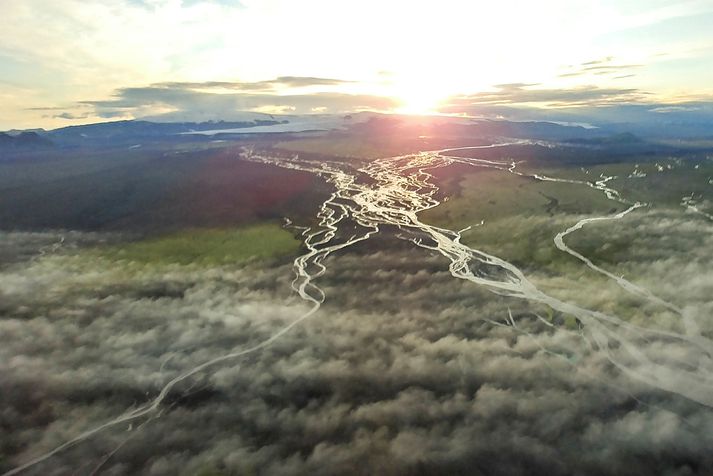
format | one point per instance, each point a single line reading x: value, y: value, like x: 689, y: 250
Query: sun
x: 420, y: 98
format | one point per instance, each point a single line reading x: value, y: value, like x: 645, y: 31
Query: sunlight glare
x: 420, y: 98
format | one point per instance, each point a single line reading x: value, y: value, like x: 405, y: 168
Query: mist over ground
x: 404, y: 370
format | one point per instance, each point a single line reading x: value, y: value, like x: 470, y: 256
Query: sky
x: 71, y: 62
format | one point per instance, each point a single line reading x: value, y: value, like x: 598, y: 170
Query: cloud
x: 601, y: 67
x: 65, y: 112
x: 668, y: 109
x: 70, y: 115
x: 279, y: 83
x: 598, y: 62
x: 518, y: 93
x: 514, y: 86
x: 203, y: 99
x: 411, y: 380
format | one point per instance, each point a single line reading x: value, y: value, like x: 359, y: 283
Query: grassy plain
x: 208, y: 246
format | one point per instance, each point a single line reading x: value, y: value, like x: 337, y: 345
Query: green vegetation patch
x: 521, y: 217
x: 493, y: 195
x: 209, y: 247
x: 661, y: 182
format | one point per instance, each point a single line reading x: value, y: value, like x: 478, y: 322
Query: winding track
x: 391, y: 192
x: 400, y: 189
x: 691, y: 204
x: 320, y: 243
x: 559, y: 242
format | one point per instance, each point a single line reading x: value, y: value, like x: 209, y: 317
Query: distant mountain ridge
x: 24, y: 140
x: 137, y: 130
x: 129, y: 133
